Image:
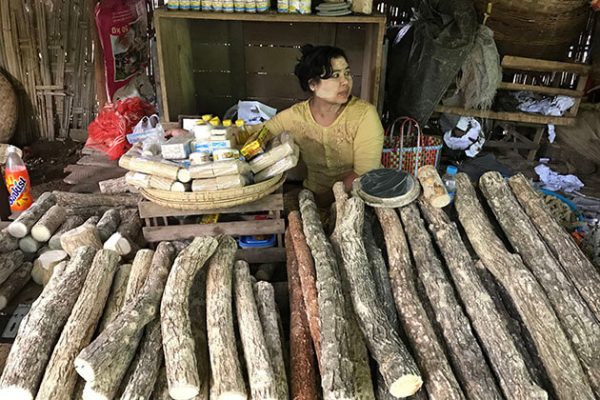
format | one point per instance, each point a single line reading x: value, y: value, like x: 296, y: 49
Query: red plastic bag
x: 107, y: 132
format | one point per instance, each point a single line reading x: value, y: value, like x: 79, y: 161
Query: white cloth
x: 557, y: 182
x: 471, y: 142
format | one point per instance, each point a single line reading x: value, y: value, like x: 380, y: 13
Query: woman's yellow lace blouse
x: 352, y: 143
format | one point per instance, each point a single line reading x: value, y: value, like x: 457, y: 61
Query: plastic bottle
x: 449, y: 180
x: 17, y: 182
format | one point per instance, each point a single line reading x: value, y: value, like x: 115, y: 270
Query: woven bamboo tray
x: 209, y: 200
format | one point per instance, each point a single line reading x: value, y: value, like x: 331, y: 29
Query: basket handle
x: 407, y: 125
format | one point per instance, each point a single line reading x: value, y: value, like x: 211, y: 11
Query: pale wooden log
x: 123, y: 240
x: 15, y: 282
x: 575, y: 263
x: 337, y: 377
x: 576, y: 318
x: 29, y: 245
x: 60, y: 377
x: 92, y: 220
x: 108, y: 224
x: 145, y: 365
x: 267, y: 310
x: 560, y: 362
x: 140, y: 164
x: 52, y: 219
x: 178, y: 343
x: 198, y: 321
x: 44, y: 265
x: 303, y: 366
x: 22, y: 225
x: 10, y: 262
x: 395, y: 362
x: 380, y: 273
x: 464, y: 351
x: 85, y: 200
x: 439, y: 379
x: 434, y: 191
x: 69, y: 223
x: 120, y: 244
x: 308, y: 279
x: 38, y: 333
x: 224, y: 359
x: 84, y: 235
x: 139, y: 272
x: 97, y: 358
x: 116, y: 297
x: 506, y: 360
x: 265, y: 272
x: 263, y: 384
x: 161, y: 387
x: 116, y: 186
x: 8, y: 242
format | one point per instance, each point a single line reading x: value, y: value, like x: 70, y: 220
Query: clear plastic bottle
x: 449, y: 180
x: 17, y: 181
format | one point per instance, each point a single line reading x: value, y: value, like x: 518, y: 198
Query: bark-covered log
x: 22, y: 225
x: 140, y: 267
x: 86, y: 200
x: 308, y: 279
x: 48, y: 223
x: 123, y: 241
x: 198, y: 320
x: 116, y: 186
x: 178, y: 340
x: 69, y: 223
x: 506, y: 360
x: 29, y: 245
x: 439, y: 379
x: 161, y: 387
x: 15, y: 282
x: 395, y: 362
x: 434, y: 191
x: 464, y: 351
x: 92, y: 220
x: 225, y: 364
x: 267, y: 310
x: 116, y: 298
x: 337, y: 376
x: 304, y: 371
x: 84, y: 235
x: 10, y: 262
x: 38, y: 333
x: 108, y: 224
x: 8, y: 242
x: 44, y: 265
x: 559, y: 359
x: 263, y: 384
x: 575, y: 316
x: 264, y: 272
x: 380, y: 273
x: 146, y: 364
x: 97, y: 358
x: 575, y: 263
x: 60, y: 377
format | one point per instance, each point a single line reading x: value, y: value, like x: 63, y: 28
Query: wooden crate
x: 163, y: 223
x: 209, y: 61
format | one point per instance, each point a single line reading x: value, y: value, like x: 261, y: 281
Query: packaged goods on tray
x: 141, y: 180
x: 279, y: 167
x: 256, y: 144
x: 220, y: 183
x: 280, y: 147
x: 149, y: 165
x: 214, y: 169
x: 176, y: 148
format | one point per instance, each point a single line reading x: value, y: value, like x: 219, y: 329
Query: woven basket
x: 8, y: 110
x: 536, y: 29
x: 210, y: 200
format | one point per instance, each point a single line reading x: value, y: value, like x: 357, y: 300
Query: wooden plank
x: 209, y: 32
x: 210, y: 57
x: 530, y: 64
x: 236, y: 52
x: 97, y: 160
x: 272, y: 202
x: 271, y: 60
x: 210, y: 84
x: 540, y: 89
x: 261, y: 256
x: 271, y: 85
x: 241, y: 228
x: 507, y: 116
x: 280, y: 34
x: 581, y: 85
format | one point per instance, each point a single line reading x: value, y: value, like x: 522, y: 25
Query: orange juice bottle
x: 17, y: 182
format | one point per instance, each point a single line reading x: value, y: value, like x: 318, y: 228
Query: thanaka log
x: 15, y: 282
x: 20, y: 227
x: 52, y: 219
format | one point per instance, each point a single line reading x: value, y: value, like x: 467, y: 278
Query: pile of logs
x: 499, y: 304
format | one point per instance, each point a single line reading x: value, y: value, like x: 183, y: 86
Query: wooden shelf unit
x: 208, y: 61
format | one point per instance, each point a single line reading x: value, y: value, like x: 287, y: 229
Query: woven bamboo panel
x: 47, y: 49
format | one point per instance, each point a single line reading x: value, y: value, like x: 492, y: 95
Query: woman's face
x: 338, y: 88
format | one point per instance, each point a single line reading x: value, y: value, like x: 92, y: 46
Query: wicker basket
x: 210, y: 200
x: 536, y: 29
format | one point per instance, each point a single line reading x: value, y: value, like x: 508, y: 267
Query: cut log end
x: 178, y: 187
x: 184, y: 175
x: 41, y: 233
x: 29, y: 245
x: 183, y: 391
x: 17, y: 229
x: 15, y: 393
x: 233, y: 396
x: 85, y: 370
x: 119, y: 244
x: 406, y: 386
x: 3, y: 302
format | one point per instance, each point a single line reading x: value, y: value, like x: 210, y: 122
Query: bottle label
x: 17, y: 183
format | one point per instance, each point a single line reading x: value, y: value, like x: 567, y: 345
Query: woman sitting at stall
x: 340, y: 136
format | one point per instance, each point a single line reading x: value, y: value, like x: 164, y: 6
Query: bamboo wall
x: 47, y: 48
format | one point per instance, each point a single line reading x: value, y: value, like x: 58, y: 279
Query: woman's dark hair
x: 315, y: 63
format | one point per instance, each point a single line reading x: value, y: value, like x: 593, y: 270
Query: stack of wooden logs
x: 500, y: 304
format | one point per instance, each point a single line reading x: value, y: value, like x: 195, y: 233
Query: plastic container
x: 449, y: 180
x: 17, y: 181
x: 253, y: 242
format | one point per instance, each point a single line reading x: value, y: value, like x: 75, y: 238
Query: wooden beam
x: 158, y: 233
x: 507, y: 116
x: 541, y: 89
x: 530, y: 64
